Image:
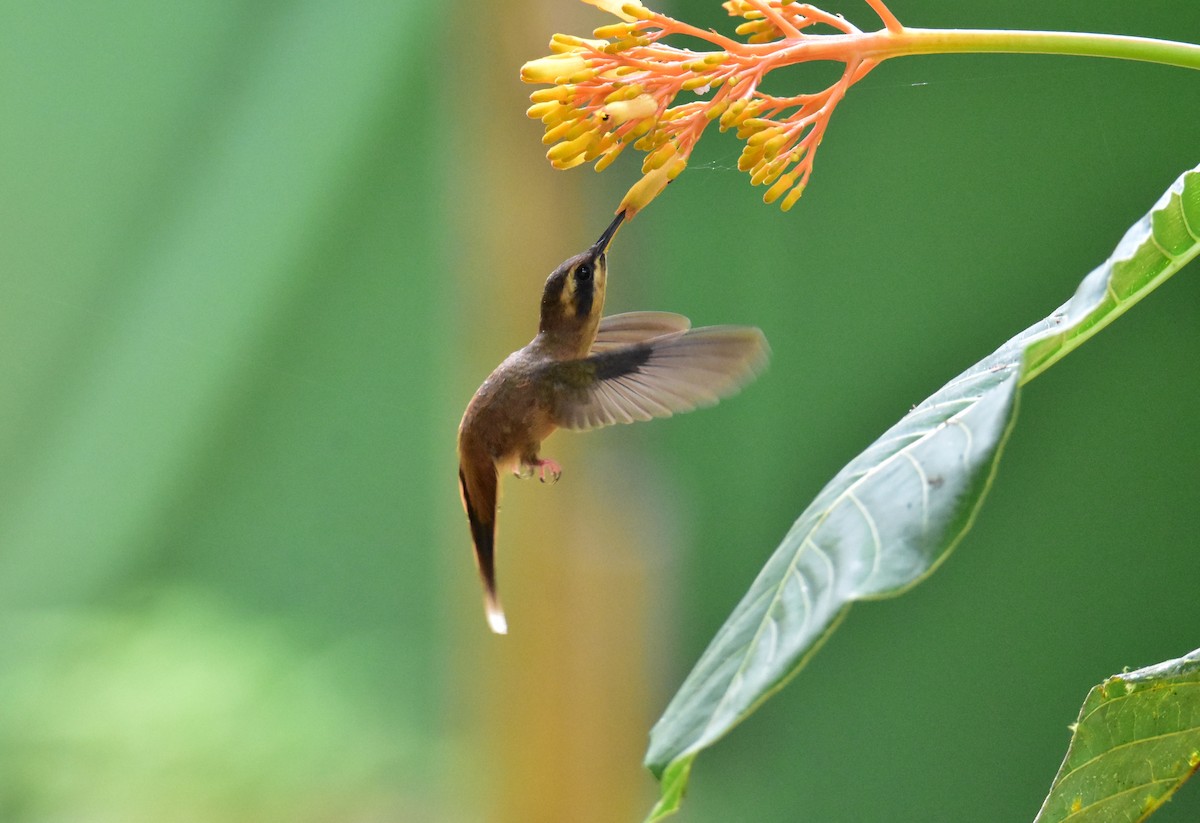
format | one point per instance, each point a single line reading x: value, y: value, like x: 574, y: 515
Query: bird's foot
x: 548, y: 467
x: 523, y: 471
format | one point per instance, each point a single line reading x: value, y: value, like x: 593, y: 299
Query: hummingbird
x: 583, y: 371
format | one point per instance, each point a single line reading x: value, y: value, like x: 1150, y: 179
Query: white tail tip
x: 496, y: 620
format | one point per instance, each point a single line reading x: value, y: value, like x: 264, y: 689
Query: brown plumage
x: 583, y: 372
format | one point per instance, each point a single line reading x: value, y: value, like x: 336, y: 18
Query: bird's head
x: 574, y: 296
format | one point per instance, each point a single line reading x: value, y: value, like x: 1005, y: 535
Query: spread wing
x: 665, y: 375
x: 636, y: 327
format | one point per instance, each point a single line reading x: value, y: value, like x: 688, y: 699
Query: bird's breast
x: 510, y: 414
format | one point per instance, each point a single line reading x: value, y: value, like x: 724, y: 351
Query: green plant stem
x: 885, y: 44
x: 948, y: 41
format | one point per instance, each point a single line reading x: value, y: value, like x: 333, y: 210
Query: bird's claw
x: 549, y: 467
x: 542, y: 468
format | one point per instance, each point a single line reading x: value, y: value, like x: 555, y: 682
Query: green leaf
x: 1136, y: 741
x: 893, y: 513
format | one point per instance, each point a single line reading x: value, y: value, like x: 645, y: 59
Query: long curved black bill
x: 601, y: 245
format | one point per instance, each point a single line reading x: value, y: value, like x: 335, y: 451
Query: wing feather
x: 636, y: 327
x: 669, y: 373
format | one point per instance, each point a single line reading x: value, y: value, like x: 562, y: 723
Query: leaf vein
x: 1129, y: 744
x: 874, y: 529
x: 777, y: 589
x: 1161, y: 250
x: 966, y: 432
x: 1187, y: 225
x: 1109, y: 797
x: 1108, y: 288
x: 924, y: 480
x: 1140, y: 691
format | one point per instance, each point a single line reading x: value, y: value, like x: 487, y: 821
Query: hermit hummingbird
x: 584, y: 371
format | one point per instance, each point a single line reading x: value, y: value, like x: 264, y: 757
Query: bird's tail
x: 495, y: 613
x: 479, y: 500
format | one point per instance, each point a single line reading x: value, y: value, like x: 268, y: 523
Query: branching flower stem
x: 622, y: 87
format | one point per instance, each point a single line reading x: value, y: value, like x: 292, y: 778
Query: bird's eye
x: 584, y: 273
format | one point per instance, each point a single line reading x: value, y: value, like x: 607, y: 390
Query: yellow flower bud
x: 650, y: 186
x: 539, y: 110
x: 759, y: 172
x: 659, y: 157
x: 622, y: 111
x: 597, y: 148
x: 772, y: 147
x: 609, y: 155
x: 792, y: 197
x: 637, y: 10
x: 580, y: 76
x: 564, y: 43
x: 716, y: 110
x: 750, y: 157
x: 578, y: 129
x: 613, y: 31
x: 553, y: 135
x: 625, y: 44
x: 618, y: 8
x: 569, y: 148
x: 563, y: 165
x: 730, y: 117
x: 765, y: 36
x: 763, y: 130
x: 563, y: 114
x: 605, y: 161
x: 775, y: 168
x: 781, y: 185
x: 692, y: 83
x: 549, y: 69
x: 638, y: 131
x: 624, y: 92
x: 559, y: 93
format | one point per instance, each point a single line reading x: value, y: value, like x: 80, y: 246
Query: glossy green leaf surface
x: 1135, y: 743
x: 893, y: 514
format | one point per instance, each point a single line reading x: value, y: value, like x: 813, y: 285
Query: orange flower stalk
x: 622, y: 87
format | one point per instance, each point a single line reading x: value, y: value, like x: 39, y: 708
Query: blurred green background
x: 255, y: 258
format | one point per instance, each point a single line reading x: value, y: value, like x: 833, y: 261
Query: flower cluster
x: 621, y: 87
